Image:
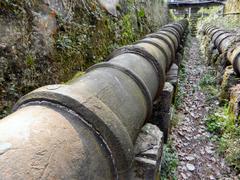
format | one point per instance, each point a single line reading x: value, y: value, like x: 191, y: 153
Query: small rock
x: 181, y: 133
x: 190, y: 167
x: 184, y: 176
x: 181, y: 154
x: 3, y: 46
x: 209, y: 150
x: 212, y: 177
x: 190, y: 158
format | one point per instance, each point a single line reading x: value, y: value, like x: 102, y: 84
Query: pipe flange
x: 234, y: 58
x: 221, y: 39
x: 165, y: 33
x: 216, y: 36
x: 146, y: 55
x: 210, y: 30
x: 163, y: 38
x: 176, y: 26
x: 157, y: 46
x: 172, y: 31
x: 110, y: 128
x: 142, y: 86
x: 211, y: 34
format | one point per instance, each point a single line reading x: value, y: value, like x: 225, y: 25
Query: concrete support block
x: 209, y: 54
x: 172, y: 76
x: 162, y: 111
x: 148, y: 153
x: 179, y: 57
x: 221, y: 63
x: 229, y: 80
x: 234, y: 104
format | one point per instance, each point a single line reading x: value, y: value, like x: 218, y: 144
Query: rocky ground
x: 197, y: 154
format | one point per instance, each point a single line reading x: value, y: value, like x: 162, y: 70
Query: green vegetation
x: 169, y: 163
x: 141, y: 13
x: 216, y: 18
x: 220, y: 122
x: 208, y: 84
x: 182, y: 76
x: 83, y: 37
x: 227, y: 133
x: 30, y: 60
x: 180, y: 90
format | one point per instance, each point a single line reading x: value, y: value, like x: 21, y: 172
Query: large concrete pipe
x: 86, y: 129
x: 226, y: 42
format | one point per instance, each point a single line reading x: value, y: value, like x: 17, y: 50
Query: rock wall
x: 232, y: 6
x: 44, y: 42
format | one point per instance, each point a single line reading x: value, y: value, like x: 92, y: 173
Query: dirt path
x: 197, y: 154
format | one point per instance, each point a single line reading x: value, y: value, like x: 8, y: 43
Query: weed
x: 227, y: 135
x: 180, y: 89
x: 141, y: 13
x: 30, y: 60
x: 169, y: 163
x: 208, y: 84
x: 208, y: 80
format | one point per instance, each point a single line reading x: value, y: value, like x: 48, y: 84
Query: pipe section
x: 226, y: 42
x: 86, y: 129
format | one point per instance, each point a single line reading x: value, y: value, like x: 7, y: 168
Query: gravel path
x: 197, y: 154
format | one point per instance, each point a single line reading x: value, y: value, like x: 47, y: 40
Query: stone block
x: 229, y: 80
x: 148, y: 152
x: 234, y: 104
x: 172, y: 76
x: 162, y: 110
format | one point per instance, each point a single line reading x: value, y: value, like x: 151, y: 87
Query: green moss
x: 76, y: 76
x: 127, y: 34
x: 141, y: 13
x: 82, y: 45
x: 30, y: 60
x: 85, y: 37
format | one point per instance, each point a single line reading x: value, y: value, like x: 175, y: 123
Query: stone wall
x: 45, y: 42
x: 232, y: 6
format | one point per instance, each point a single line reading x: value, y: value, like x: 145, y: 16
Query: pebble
x: 209, y: 150
x: 212, y: 177
x: 184, y: 176
x: 190, y: 167
x: 190, y: 158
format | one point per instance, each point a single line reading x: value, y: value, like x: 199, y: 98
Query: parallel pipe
x: 86, y: 129
x: 226, y: 42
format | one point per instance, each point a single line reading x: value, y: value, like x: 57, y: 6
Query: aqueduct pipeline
x: 86, y: 129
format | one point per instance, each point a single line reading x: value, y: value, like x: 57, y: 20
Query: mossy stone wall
x: 46, y: 42
x: 232, y: 6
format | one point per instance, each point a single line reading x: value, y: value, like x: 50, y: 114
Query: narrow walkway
x: 197, y: 154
